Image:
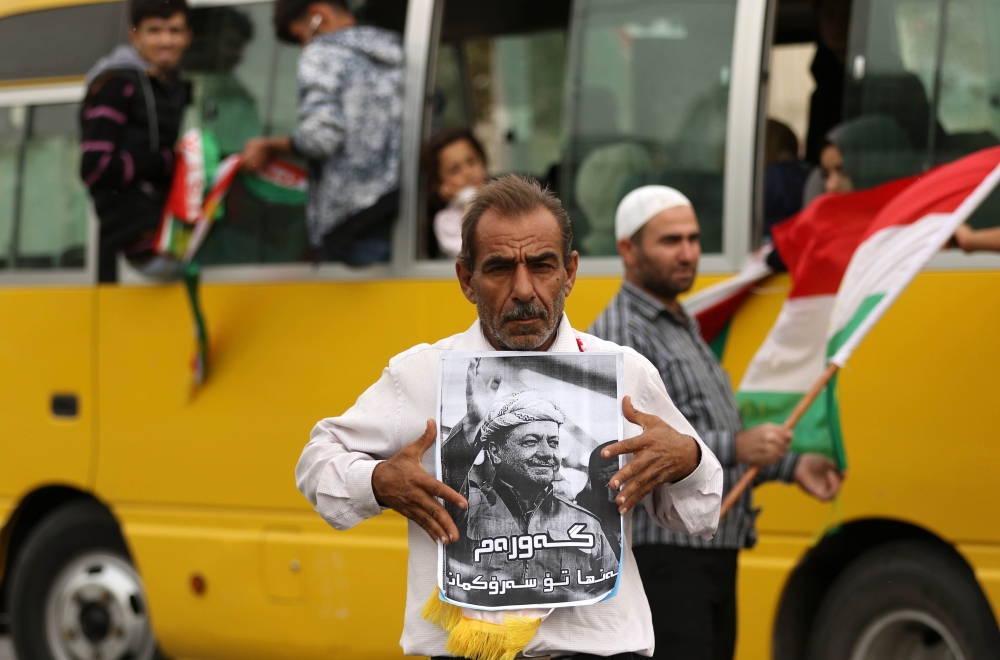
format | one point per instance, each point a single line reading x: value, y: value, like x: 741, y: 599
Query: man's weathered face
x: 527, y: 457
x: 162, y: 41
x: 520, y: 281
x: 665, y: 258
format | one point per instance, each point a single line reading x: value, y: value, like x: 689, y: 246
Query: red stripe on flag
x: 941, y: 190
x: 817, y: 244
x: 714, y: 319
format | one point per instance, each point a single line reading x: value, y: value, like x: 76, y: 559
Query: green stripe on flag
x: 833, y: 406
x: 864, y: 309
x: 718, y: 345
x: 817, y: 432
x: 271, y: 192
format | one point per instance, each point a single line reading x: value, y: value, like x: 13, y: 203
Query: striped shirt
x: 701, y: 390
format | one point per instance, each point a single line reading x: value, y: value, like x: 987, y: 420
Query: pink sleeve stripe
x: 107, y: 112
x: 98, y: 171
x: 97, y: 145
x: 129, y: 167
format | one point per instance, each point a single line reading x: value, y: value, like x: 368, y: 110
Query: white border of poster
x: 542, y: 529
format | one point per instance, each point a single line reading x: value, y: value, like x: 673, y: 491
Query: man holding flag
x: 691, y: 582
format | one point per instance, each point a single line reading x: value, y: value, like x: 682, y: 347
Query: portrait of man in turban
x: 530, y: 531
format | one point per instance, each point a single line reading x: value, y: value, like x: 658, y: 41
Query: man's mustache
x: 549, y: 464
x: 526, y: 310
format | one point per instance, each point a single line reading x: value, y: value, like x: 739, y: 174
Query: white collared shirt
x: 335, y: 473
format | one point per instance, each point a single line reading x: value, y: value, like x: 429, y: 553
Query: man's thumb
x: 631, y: 414
x: 426, y: 441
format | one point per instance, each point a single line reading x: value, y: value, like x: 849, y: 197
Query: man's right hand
x: 762, y: 445
x: 259, y: 152
x: 402, y: 484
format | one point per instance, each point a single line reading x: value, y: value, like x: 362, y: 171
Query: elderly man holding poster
x: 517, y: 266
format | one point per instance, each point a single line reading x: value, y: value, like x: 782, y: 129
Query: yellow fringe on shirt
x: 441, y: 613
x: 477, y: 639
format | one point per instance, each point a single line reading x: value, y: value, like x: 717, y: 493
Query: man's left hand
x: 661, y: 455
x: 817, y: 475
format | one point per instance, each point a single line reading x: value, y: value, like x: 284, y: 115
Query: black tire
x: 905, y: 595
x: 69, y: 533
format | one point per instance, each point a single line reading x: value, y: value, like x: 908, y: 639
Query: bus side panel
x: 763, y: 572
x: 283, y: 356
x: 46, y: 349
x: 324, y: 594
x: 919, y: 415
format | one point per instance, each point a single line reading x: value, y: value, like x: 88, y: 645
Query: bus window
x: 60, y: 43
x: 937, y: 96
x: 11, y: 136
x: 968, y: 104
x: 43, y: 215
x: 231, y: 65
x: 245, y: 86
x: 500, y: 73
x: 638, y: 117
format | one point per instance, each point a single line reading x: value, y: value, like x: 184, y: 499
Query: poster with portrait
x: 520, y: 437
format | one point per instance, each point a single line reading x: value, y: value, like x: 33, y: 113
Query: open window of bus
x: 589, y: 98
x: 245, y: 86
x: 916, y: 85
x: 45, y: 216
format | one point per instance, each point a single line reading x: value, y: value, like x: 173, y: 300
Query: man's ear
x: 465, y: 281
x: 629, y: 251
x: 571, y: 268
x: 133, y: 37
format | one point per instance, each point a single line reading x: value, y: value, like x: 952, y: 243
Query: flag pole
x: 800, y: 409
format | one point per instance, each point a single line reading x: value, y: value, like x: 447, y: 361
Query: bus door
x: 47, y: 399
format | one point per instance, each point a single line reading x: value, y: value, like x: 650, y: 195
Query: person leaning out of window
x: 350, y: 80
x: 130, y: 121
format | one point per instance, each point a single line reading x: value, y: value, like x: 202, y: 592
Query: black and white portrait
x: 520, y: 436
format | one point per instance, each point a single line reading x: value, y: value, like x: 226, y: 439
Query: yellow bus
x: 142, y: 516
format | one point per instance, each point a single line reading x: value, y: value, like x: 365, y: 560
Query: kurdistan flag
x: 850, y: 257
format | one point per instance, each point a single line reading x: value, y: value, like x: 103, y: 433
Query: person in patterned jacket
x: 130, y: 121
x: 350, y: 80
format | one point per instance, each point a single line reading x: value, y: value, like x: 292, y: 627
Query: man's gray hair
x: 511, y: 197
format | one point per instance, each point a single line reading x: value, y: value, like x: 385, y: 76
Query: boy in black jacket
x: 131, y: 119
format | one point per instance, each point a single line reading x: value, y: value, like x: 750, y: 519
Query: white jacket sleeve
x: 692, y: 504
x: 335, y: 469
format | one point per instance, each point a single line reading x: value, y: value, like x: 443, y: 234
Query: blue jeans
x: 362, y: 252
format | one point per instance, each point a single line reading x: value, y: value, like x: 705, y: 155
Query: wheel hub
x: 95, y: 611
x: 95, y: 621
x: 907, y: 635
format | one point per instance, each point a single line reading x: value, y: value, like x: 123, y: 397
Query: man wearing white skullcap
x: 691, y: 583
x: 642, y: 205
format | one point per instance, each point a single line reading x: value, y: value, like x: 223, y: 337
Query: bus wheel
x: 75, y: 594
x: 906, y: 600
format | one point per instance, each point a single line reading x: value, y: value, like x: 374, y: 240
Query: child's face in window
x: 459, y: 166
x: 831, y: 162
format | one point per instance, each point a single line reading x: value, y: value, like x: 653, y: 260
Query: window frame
x: 42, y: 95
x: 949, y: 259
x: 420, y: 41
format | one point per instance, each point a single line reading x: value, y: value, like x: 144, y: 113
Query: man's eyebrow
x: 499, y: 261
x: 544, y: 256
x: 510, y: 261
